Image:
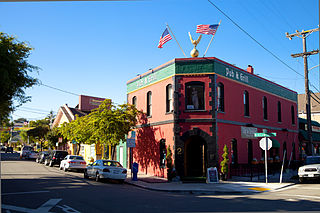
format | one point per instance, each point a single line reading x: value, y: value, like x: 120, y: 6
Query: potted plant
x: 225, y: 163
x: 254, y: 161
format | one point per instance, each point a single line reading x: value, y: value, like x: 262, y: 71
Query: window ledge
x: 247, y: 116
x: 168, y: 113
x: 149, y: 116
x: 223, y: 112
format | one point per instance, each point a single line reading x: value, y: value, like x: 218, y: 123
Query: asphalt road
x: 31, y: 187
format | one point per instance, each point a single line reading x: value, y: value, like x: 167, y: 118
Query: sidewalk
x: 237, y: 185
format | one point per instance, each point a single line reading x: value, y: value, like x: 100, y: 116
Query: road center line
x: 21, y: 193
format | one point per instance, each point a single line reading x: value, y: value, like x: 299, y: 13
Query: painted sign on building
x: 248, y: 132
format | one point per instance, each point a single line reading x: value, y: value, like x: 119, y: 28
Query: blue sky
x: 94, y: 48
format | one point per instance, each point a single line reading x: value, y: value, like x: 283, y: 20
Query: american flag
x: 207, y: 29
x: 164, y: 38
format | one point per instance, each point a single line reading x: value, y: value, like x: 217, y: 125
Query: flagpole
x: 210, y: 42
x: 176, y: 40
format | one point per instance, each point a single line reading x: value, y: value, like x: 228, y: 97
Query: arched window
x: 234, y: 152
x: 293, y: 117
x: 220, y: 97
x: 149, y: 103
x: 279, y: 112
x: 246, y: 103
x: 134, y: 101
x: 265, y: 108
x: 195, y: 95
x: 169, y: 98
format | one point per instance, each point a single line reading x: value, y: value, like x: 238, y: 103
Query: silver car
x: 106, y: 169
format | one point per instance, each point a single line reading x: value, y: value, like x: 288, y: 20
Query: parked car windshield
x: 111, y: 163
x: 76, y: 157
x: 313, y: 160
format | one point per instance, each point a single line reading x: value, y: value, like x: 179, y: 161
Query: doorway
x: 195, y: 157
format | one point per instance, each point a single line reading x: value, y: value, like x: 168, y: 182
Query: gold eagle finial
x: 194, y: 53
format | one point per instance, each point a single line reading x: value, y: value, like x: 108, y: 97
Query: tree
x: 77, y: 131
x: 225, y: 163
x: 14, y: 73
x: 109, y: 124
x: 169, y: 163
x: 4, y: 136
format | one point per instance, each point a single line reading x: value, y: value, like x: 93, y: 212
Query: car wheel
x: 97, y: 177
x: 60, y: 168
x: 51, y: 164
x: 301, y: 179
x: 65, y: 169
x: 46, y: 163
x: 121, y: 181
x: 37, y: 161
x: 85, y: 174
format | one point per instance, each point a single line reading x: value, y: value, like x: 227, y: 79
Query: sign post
x: 265, y: 144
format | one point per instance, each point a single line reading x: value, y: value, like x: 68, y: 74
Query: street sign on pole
x: 131, y: 142
x: 265, y: 143
x: 272, y: 134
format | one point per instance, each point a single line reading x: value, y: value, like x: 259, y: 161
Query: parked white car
x: 106, y: 169
x: 311, y: 169
x: 32, y: 155
x: 73, y: 162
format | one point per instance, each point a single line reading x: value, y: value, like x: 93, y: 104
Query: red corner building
x: 195, y: 106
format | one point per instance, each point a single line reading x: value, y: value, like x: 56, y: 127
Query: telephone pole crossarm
x: 313, y: 52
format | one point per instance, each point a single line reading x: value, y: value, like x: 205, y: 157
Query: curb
x: 189, y: 191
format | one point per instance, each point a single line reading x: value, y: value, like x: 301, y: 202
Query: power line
x: 32, y: 111
x: 61, y: 90
x: 275, y: 56
x: 40, y: 110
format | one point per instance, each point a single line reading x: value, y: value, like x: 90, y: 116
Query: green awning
x: 275, y: 143
x: 315, y: 135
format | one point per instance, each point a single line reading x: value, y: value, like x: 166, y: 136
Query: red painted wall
x: 147, y: 150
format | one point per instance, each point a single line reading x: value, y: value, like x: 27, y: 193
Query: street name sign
x: 261, y: 134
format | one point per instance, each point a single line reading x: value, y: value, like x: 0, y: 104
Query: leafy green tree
x: 225, y: 162
x: 77, y: 131
x: 14, y: 73
x: 109, y: 124
x: 4, y: 136
x: 53, y: 136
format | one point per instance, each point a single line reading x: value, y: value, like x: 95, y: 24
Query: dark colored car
x: 9, y: 149
x: 55, y: 157
x: 42, y: 156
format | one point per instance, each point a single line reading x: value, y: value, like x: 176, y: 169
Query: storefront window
x: 195, y: 96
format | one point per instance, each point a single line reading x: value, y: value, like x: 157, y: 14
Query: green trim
x: 151, y: 78
x: 201, y: 66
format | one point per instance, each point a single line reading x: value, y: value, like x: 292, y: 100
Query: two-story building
x: 197, y: 105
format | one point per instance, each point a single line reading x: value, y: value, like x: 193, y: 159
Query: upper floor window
x: 220, y: 97
x: 169, y: 98
x: 246, y: 103
x: 134, y: 101
x: 195, y: 95
x: 265, y: 108
x: 293, y: 117
x: 149, y: 103
x: 279, y: 112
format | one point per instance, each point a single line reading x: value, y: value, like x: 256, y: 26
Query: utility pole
x: 304, y: 34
